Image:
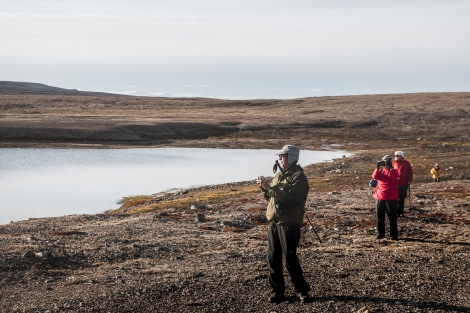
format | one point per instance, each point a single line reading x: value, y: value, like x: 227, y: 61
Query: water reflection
x: 55, y: 182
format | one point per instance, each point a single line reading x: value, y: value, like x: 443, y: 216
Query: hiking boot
x: 380, y: 237
x: 276, y: 298
x: 303, y: 297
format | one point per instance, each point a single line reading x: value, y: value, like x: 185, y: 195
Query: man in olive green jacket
x: 287, y: 194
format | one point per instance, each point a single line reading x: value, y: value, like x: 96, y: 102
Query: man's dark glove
x: 379, y: 163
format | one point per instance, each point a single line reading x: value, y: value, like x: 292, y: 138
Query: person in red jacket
x: 405, y: 178
x: 386, y: 193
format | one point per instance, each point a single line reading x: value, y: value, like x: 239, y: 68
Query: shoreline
x: 204, y: 249
x: 116, y: 164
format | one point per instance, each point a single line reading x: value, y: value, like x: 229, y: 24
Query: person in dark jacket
x: 405, y: 178
x: 386, y: 193
x: 287, y: 194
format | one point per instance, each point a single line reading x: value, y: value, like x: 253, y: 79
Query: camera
x: 380, y: 163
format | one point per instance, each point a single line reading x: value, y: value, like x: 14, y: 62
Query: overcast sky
x: 238, y: 49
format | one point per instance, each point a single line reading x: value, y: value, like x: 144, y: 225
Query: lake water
x: 56, y: 182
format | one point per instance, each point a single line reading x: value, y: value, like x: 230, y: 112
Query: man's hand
x: 263, y: 183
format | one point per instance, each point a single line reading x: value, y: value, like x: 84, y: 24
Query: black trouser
x: 389, y: 207
x: 402, y: 193
x: 283, y: 241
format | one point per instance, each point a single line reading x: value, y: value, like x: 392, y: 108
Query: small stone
x: 200, y: 217
x: 29, y: 254
x: 45, y: 254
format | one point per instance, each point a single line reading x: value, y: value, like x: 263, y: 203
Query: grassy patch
x: 141, y: 204
x: 135, y: 201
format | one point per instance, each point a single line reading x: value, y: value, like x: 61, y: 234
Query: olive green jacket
x: 289, y: 191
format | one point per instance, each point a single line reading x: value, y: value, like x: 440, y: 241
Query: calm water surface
x: 56, y: 182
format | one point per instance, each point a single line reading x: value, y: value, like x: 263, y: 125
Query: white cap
x: 400, y: 153
x: 292, y: 153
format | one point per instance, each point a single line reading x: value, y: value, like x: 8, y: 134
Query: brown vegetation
x: 378, y: 119
x: 203, y: 250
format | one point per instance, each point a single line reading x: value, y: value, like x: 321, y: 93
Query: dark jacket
x: 290, y: 191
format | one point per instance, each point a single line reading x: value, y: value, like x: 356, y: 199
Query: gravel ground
x: 209, y: 256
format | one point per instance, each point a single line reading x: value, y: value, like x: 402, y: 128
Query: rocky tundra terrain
x: 203, y: 249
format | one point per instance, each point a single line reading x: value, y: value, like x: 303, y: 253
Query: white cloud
x: 128, y: 92
x: 175, y: 37
x: 160, y: 94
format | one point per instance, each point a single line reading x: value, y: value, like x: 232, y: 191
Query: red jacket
x: 405, y: 172
x: 387, y: 180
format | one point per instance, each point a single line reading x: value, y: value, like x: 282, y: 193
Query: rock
x: 29, y: 254
x: 45, y: 254
x: 197, y: 207
x: 200, y: 217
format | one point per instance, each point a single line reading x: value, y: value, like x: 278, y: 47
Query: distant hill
x: 26, y: 88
